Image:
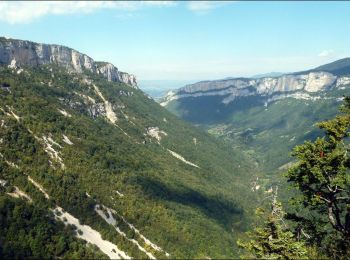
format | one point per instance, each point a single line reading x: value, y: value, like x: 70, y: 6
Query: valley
x: 266, y: 117
x: 174, y: 130
x: 81, y: 143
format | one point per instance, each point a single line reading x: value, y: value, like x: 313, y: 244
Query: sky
x: 201, y: 40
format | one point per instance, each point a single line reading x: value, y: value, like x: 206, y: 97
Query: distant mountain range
x: 264, y: 117
x: 300, y: 85
x: 268, y: 75
x: 338, y: 67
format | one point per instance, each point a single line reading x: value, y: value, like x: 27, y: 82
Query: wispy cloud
x: 17, y: 12
x: 160, y: 3
x: 326, y: 53
x: 204, y: 7
x: 27, y: 11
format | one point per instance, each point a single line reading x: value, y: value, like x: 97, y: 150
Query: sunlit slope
x: 91, y: 143
x: 265, y: 133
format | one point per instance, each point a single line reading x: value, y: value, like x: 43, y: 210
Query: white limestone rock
x: 156, y: 133
x: 342, y: 81
x: 299, y: 86
x: 17, y: 53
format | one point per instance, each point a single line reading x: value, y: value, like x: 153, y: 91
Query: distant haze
x: 158, y: 88
x: 271, y: 74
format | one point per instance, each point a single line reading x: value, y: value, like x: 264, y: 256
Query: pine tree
x: 322, y: 176
x: 273, y: 240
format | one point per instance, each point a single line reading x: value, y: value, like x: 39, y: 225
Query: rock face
x: 17, y: 53
x: 300, y: 86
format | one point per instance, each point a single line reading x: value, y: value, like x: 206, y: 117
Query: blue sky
x: 189, y: 40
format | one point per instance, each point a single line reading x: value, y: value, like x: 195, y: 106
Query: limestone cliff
x: 300, y: 86
x: 25, y: 53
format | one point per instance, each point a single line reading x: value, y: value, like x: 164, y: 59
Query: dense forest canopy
x: 318, y: 222
x: 167, y: 181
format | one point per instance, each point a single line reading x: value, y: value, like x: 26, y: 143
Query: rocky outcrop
x: 299, y: 86
x: 18, y: 53
x: 342, y: 81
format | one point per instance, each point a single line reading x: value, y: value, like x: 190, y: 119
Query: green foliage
x: 273, y: 240
x: 321, y: 175
x: 30, y: 231
x: 321, y: 206
x: 175, y: 205
x: 265, y: 134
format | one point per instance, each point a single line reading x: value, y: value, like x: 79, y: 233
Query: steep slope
x: 339, y: 67
x: 300, y: 86
x: 25, y: 53
x: 98, y: 154
x: 264, y: 117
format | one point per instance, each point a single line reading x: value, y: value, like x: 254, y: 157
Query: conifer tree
x: 273, y: 240
x: 322, y: 176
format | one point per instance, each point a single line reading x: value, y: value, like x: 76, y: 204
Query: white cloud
x: 326, y: 53
x: 27, y: 11
x: 204, y: 7
x: 160, y: 3
x: 16, y: 12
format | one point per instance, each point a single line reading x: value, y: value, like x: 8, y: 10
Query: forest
x: 316, y: 224
x: 173, y: 204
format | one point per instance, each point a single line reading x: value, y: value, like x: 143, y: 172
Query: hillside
x: 81, y: 147
x: 263, y: 117
x: 339, y: 67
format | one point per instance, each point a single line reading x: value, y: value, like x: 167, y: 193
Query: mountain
x: 25, y: 53
x: 91, y: 167
x: 264, y: 117
x: 339, y: 67
x: 301, y: 86
x: 268, y: 75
